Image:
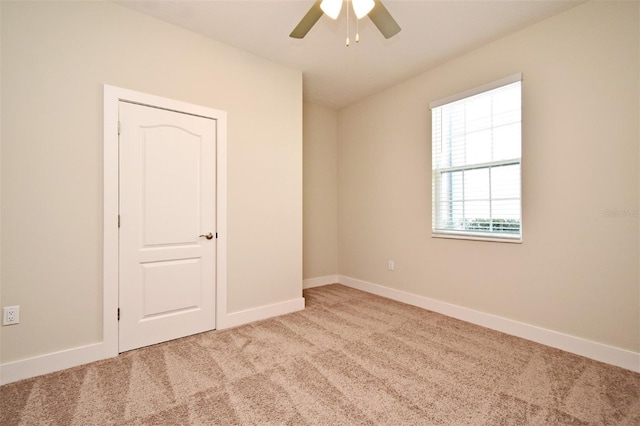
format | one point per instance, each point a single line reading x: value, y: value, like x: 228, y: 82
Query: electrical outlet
x: 392, y: 265
x: 10, y: 315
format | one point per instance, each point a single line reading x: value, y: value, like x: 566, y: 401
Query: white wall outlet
x: 392, y: 265
x: 10, y: 315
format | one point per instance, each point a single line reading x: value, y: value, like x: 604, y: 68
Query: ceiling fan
x: 376, y: 11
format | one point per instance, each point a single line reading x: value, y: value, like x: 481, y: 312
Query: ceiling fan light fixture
x: 376, y: 11
x: 362, y: 7
x: 331, y: 8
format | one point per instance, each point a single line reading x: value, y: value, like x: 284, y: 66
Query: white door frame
x: 112, y: 96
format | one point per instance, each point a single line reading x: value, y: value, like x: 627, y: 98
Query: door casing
x: 112, y: 96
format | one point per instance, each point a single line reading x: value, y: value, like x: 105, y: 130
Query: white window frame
x: 467, y: 234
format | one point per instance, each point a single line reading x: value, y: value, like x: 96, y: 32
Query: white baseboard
x: 319, y: 281
x: 262, y: 312
x: 48, y: 363
x: 51, y: 362
x: 597, y: 351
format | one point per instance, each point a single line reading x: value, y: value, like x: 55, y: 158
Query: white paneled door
x: 167, y: 225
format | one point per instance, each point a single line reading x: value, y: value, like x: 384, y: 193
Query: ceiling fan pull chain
x: 347, y: 42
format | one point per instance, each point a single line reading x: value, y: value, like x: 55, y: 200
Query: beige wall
x: 577, y: 270
x: 320, y: 191
x: 56, y: 57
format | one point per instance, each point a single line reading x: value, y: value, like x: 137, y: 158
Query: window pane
x: 452, y: 186
x: 478, y: 111
x: 477, y: 184
x: 505, y: 182
x: 506, y: 209
x: 506, y: 105
x: 506, y: 142
x: 477, y: 210
x: 452, y: 215
x: 457, y: 151
x: 478, y: 147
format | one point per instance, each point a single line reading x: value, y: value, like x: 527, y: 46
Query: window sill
x: 513, y: 239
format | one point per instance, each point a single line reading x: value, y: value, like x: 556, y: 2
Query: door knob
x: 208, y: 236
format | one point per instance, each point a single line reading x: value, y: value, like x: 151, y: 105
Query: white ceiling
x: 334, y: 75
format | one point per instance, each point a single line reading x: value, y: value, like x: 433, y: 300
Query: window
x: 476, y: 154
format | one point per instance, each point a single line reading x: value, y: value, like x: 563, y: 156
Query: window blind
x: 476, y: 159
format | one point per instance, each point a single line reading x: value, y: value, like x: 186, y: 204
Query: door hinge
x: 118, y: 314
x: 118, y: 221
x: 118, y: 128
x: 216, y: 235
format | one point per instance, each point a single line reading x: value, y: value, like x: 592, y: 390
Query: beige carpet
x: 348, y: 358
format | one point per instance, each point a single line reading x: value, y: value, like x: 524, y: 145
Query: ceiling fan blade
x: 307, y: 21
x: 383, y: 20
